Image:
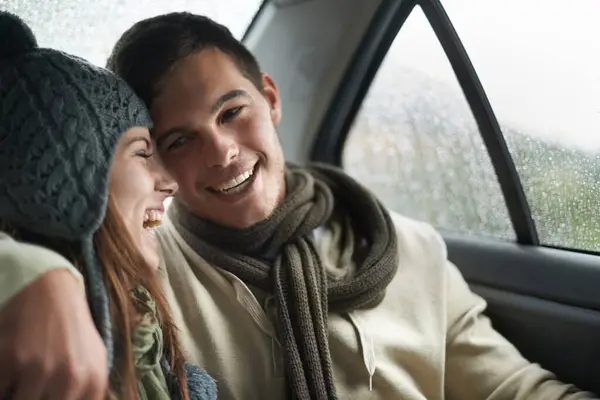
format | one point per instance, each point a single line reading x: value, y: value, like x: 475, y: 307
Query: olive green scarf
x: 148, y: 351
x: 279, y: 256
x: 147, y: 348
x: 155, y: 380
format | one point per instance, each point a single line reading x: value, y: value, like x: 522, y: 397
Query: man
x: 286, y: 282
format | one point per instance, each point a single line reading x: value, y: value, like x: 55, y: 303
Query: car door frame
x: 523, y: 281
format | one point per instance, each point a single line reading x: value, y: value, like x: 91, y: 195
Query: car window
x: 90, y: 28
x: 539, y: 63
x: 416, y: 144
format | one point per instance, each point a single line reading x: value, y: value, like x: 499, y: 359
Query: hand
x: 49, y: 346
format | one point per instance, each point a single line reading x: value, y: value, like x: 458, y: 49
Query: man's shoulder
x: 414, y: 235
x: 421, y: 249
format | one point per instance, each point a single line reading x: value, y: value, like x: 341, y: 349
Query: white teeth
x: 241, y: 178
x: 152, y: 218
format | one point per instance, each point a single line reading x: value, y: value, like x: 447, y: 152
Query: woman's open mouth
x: 152, y: 219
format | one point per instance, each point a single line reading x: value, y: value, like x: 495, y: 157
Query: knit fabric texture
x: 60, y: 121
x: 279, y: 256
x: 200, y: 385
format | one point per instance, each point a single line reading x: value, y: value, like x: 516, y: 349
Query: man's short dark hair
x: 149, y: 50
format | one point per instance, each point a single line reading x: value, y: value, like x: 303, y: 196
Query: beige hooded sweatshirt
x: 428, y: 339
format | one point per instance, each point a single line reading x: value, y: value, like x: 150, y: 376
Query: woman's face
x: 139, y: 185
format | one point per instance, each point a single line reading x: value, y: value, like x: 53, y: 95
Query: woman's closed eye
x: 144, y: 153
x: 142, y: 147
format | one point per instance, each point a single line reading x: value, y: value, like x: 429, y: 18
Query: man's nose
x: 165, y: 182
x: 220, y: 150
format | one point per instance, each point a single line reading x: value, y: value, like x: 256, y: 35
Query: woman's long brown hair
x: 124, y: 269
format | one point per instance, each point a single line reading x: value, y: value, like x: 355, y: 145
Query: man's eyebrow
x: 226, y: 97
x: 160, y: 138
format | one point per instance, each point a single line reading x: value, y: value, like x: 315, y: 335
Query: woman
x: 78, y: 174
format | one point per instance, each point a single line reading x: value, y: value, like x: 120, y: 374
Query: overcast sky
x: 539, y: 60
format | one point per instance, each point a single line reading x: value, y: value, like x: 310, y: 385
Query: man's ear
x: 271, y: 93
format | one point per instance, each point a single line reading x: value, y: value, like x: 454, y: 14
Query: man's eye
x: 180, y: 141
x: 229, y: 114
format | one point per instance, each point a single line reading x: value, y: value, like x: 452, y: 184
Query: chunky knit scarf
x: 279, y: 256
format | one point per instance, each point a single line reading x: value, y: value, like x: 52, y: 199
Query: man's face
x: 215, y: 132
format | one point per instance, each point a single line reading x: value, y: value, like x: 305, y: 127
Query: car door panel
x: 544, y: 301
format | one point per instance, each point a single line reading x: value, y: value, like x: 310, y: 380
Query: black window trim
x: 382, y: 31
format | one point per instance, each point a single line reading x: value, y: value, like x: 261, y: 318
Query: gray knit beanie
x: 60, y: 121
